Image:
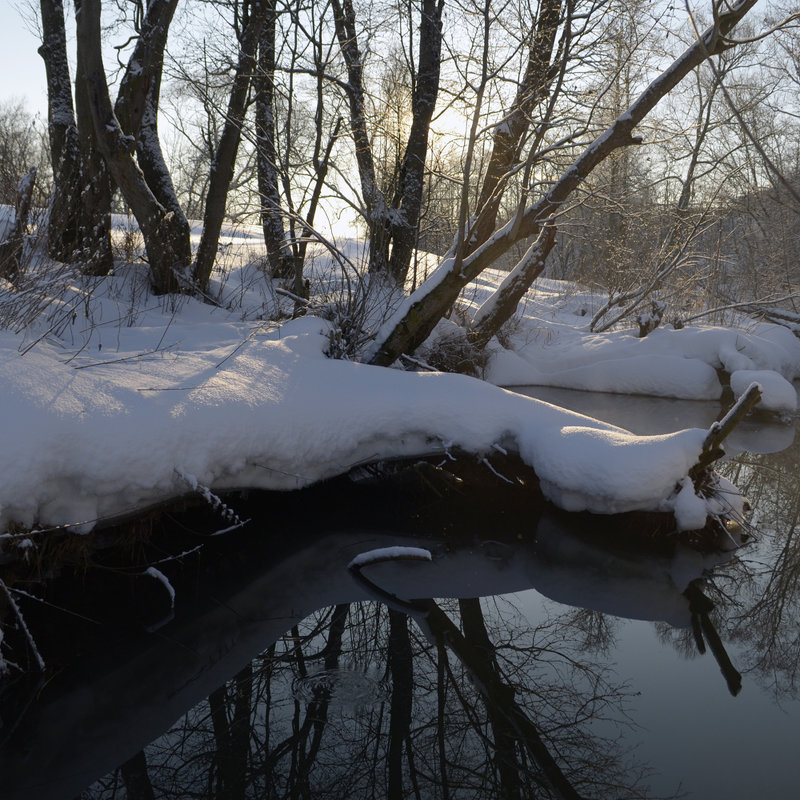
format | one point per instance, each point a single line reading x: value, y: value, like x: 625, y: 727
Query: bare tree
x: 254, y: 15
x: 416, y: 320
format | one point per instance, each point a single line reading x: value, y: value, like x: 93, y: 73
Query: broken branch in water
x: 712, y: 446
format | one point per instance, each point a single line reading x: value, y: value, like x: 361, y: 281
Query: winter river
x: 546, y: 665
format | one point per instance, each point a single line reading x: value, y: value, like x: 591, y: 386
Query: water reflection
x: 543, y: 687
x: 463, y: 695
x: 479, y: 705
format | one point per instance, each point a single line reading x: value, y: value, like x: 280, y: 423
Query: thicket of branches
x: 649, y: 150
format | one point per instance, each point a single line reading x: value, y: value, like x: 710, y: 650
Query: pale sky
x: 21, y: 67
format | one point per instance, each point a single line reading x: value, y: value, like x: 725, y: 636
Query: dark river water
x: 525, y: 660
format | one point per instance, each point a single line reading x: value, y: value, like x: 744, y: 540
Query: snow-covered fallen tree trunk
x: 88, y: 445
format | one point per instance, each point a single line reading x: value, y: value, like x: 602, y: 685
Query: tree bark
x: 76, y: 231
x: 417, y: 318
x: 279, y: 253
x: 225, y: 157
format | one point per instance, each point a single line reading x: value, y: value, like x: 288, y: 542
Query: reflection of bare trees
x: 460, y: 700
x: 760, y: 592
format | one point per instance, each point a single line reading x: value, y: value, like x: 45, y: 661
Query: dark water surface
x: 546, y: 665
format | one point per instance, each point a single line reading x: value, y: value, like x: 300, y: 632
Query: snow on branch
x: 158, y: 575
x: 383, y: 554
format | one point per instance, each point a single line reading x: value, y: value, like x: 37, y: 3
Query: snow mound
x: 668, y: 362
x: 91, y: 438
x: 777, y: 394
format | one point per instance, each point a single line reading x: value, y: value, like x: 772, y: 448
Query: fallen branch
x: 712, y: 446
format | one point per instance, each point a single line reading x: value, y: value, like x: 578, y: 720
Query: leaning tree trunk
x: 162, y: 232
x: 416, y: 319
x: 224, y: 161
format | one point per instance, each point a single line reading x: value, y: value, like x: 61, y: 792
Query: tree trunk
x: 416, y: 319
x: 151, y: 161
x: 76, y: 231
x: 509, y: 134
x: 144, y: 66
x: 393, y: 226
x: 502, y: 304
x: 11, y: 247
x: 375, y: 204
x: 136, y: 109
x: 162, y: 232
x: 405, y: 225
x: 279, y: 253
x: 225, y: 157
x: 94, y: 187
x: 62, y: 228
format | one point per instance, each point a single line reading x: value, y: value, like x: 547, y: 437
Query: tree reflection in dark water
x: 480, y: 705
x: 759, y: 593
x: 507, y: 696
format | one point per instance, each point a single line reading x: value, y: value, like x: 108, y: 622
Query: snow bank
x: 681, y: 364
x: 103, y: 433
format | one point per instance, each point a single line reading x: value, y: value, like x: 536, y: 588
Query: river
x: 524, y: 660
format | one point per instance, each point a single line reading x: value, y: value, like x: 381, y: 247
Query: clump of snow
x: 158, y: 575
x: 381, y: 554
x: 777, y: 394
x: 689, y: 509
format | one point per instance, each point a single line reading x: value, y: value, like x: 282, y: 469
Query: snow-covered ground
x: 113, y: 400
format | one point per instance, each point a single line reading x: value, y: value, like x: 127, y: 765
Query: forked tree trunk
x: 162, y: 232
